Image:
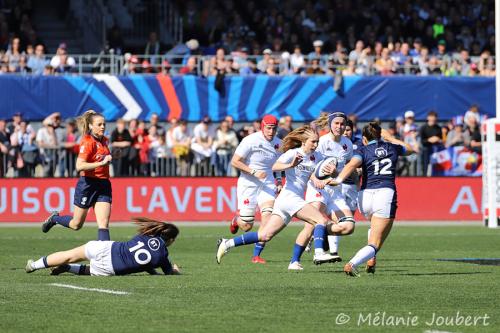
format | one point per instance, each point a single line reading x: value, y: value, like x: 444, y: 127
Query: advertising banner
x: 214, y: 199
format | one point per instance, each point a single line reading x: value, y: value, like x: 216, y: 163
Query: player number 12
x: 386, y: 165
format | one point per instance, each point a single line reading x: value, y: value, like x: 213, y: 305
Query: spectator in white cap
x: 317, y: 54
x: 409, y: 122
x: 263, y: 63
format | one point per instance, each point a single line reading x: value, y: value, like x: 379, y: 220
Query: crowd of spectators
x: 430, y: 137
x: 229, y: 37
x: 350, y: 37
x: 175, y: 149
x: 21, y: 51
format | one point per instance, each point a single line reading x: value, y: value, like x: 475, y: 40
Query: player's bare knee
x: 347, y: 223
x: 266, y: 237
x: 76, y: 226
x: 247, y: 216
x: 246, y: 227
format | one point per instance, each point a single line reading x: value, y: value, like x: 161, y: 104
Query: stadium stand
x: 228, y: 38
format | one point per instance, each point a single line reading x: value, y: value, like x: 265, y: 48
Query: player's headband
x: 268, y: 120
x: 334, y: 115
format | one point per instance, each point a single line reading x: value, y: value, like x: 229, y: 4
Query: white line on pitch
x: 106, y: 291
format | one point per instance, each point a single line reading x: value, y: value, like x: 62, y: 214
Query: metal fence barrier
x: 61, y: 162
x: 116, y: 64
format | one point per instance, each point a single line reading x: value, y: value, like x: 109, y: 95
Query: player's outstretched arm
x: 349, y: 168
x: 386, y: 136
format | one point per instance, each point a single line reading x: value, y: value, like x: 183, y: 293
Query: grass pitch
x: 410, y: 292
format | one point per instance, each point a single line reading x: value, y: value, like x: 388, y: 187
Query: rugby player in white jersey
x: 299, y: 160
x: 254, y: 157
x: 329, y: 200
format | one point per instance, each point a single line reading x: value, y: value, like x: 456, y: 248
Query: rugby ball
x: 318, y: 171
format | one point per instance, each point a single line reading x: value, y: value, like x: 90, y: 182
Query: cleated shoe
x: 48, y: 224
x: 323, y: 258
x: 221, y: 249
x: 59, y: 269
x: 370, y: 265
x: 29, y: 267
x: 233, y: 227
x: 350, y: 270
x: 336, y: 256
x: 258, y: 260
x: 295, y: 266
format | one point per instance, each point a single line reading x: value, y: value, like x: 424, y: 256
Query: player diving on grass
x: 299, y: 160
x: 143, y: 253
x: 377, y: 199
x: 329, y: 200
x: 93, y: 188
x: 256, y: 185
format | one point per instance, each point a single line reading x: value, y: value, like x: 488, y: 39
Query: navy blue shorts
x: 89, y: 190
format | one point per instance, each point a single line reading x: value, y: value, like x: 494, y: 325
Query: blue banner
x: 245, y: 98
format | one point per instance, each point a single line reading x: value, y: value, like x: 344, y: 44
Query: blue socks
x: 103, y: 235
x: 297, y: 252
x: 62, y: 220
x: 248, y: 238
x: 319, y: 236
x: 258, y: 249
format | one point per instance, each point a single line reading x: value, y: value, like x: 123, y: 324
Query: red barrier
x: 214, y: 199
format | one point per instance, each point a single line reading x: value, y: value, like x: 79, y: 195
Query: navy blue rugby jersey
x: 140, y: 254
x: 379, y: 160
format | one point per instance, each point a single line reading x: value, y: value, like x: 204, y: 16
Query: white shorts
x: 331, y: 197
x: 251, y: 195
x: 287, y: 204
x: 350, y: 192
x: 379, y: 202
x: 99, y: 254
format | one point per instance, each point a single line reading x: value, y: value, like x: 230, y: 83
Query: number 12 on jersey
x: 382, y: 167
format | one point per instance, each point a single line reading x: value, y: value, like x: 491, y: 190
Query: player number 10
x: 138, y: 251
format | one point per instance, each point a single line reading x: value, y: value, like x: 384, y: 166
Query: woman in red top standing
x: 93, y: 188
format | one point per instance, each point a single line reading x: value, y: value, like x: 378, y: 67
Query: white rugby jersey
x: 341, y: 150
x: 297, y: 177
x: 258, y: 154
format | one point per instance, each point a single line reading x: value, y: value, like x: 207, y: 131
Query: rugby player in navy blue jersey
x: 143, y: 253
x: 377, y: 199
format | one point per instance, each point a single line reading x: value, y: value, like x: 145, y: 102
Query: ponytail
x: 150, y: 227
x: 372, y: 131
x: 295, y: 138
x: 85, y: 120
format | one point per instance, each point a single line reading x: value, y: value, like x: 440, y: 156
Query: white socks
x: 333, y: 243
x: 39, y: 264
x: 229, y: 243
x: 74, y: 268
x: 363, y: 255
x: 318, y: 251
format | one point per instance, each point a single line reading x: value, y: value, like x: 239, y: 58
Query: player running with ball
x: 329, y: 200
x: 377, y: 199
x: 256, y: 186
x: 299, y: 160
